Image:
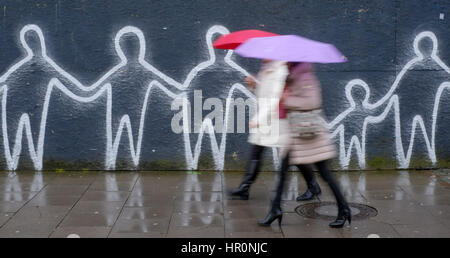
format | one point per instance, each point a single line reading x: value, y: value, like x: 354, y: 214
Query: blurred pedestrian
x: 266, y: 129
x: 310, y: 143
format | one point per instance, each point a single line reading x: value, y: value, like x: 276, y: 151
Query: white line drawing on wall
x: 24, y: 125
x: 216, y: 29
x: 113, y: 141
x: 338, y: 123
x: 207, y: 126
x: 30, y: 54
x: 192, y: 156
x: 125, y: 122
x: 102, y: 86
x: 392, y: 101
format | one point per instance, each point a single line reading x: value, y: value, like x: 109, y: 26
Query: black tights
x: 308, y: 173
x: 256, y: 152
x: 254, y: 165
x: 327, y: 175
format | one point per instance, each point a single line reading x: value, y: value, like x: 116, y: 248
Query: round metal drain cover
x: 328, y: 210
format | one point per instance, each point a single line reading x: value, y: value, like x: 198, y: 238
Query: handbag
x: 307, y: 124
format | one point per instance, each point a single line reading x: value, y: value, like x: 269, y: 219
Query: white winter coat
x: 271, y: 131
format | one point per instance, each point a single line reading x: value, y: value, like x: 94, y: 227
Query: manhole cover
x: 328, y: 210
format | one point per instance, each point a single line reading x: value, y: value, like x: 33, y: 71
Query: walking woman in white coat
x: 266, y: 129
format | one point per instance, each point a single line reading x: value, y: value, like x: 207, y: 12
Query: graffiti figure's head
x: 130, y: 44
x: 213, y: 33
x: 32, y: 40
x: 429, y: 39
x: 353, y: 93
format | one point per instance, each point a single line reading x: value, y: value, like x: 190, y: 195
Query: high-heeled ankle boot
x: 343, y: 215
x: 344, y: 212
x: 312, y: 191
x: 271, y: 217
x: 275, y: 211
x: 242, y: 192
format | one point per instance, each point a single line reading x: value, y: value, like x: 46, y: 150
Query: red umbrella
x: 235, y: 39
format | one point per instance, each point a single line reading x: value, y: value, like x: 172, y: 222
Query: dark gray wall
x: 407, y: 83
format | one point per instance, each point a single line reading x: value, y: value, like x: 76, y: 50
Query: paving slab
x: 4, y: 217
x: 81, y: 232
x: 141, y: 226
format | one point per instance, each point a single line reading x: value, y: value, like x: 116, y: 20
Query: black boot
x: 242, y: 192
x: 343, y: 215
x: 271, y: 217
x: 344, y: 212
x: 313, y: 187
x: 275, y: 211
x: 312, y: 191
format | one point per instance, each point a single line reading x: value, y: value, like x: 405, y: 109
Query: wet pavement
x: 195, y: 204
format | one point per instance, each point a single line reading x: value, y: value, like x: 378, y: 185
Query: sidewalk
x: 190, y: 204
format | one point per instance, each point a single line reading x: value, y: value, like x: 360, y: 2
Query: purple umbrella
x: 291, y: 48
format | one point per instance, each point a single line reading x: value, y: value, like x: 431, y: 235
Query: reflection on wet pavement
x: 187, y: 204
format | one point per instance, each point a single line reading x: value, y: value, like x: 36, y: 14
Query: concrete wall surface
x: 91, y: 84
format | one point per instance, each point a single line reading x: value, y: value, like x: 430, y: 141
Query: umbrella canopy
x: 291, y: 48
x: 235, y: 39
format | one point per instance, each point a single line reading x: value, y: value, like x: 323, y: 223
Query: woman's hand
x: 253, y: 124
x: 251, y: 83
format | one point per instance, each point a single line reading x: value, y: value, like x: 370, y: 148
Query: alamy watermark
x: 230, y: 115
